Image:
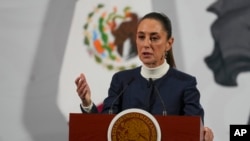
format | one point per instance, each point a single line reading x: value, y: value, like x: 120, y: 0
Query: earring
x: 166, y: 54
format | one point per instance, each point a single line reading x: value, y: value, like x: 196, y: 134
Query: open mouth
x: 146, y: 54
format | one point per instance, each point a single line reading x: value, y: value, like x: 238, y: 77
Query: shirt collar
x: 156, y: 72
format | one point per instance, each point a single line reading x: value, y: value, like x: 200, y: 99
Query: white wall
x: 20, y: 28
x: 33, y: 37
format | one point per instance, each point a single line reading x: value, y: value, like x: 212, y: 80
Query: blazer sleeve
x: 113, y: 100
x: 93, y: 109
x: 191, y: 99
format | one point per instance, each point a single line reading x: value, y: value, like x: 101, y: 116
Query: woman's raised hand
x: 83, y: 90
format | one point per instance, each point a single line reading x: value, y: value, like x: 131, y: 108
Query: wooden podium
x: 94, y: 127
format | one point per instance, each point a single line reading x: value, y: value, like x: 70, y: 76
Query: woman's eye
x: 153, y: 38
x: 141, y: 37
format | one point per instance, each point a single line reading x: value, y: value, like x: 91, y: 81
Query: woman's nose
x: 147, y: 42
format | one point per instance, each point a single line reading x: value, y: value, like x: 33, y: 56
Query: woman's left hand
x: 208, y: 134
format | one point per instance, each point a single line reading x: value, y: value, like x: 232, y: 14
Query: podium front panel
x: 94, y: 127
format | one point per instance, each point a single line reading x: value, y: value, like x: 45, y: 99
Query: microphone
x: 120, y: 94
x: 151, y: 82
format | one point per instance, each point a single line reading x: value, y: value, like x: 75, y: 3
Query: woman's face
x: 152, y: 42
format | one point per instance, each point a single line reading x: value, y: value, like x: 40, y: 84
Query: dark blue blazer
x: 177, y: 90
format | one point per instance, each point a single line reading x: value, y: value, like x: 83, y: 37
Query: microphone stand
x: 119, y: 95
x: 164, y: 112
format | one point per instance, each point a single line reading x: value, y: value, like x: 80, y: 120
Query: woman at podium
x: 156, y: 86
